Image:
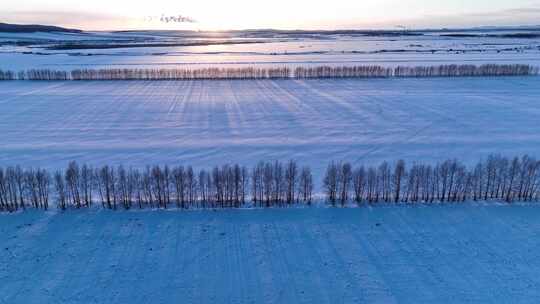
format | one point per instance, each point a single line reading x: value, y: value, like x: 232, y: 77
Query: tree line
x: 372, y: 71
x: 496, y: 178
x: 181, y: 74
x: 466, y: 70
x: 269, y: 184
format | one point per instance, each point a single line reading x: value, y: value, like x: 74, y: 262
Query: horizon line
x: 397, y: 28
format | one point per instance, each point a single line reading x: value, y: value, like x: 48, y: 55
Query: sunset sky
x: 280, y: 14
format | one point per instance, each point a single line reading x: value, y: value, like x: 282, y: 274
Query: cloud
x: 532, y: 11
x: 514, y: 16
x: 105, y: 21
x: 95, y: 21
x: 83, y: 20
x: 508, y: 17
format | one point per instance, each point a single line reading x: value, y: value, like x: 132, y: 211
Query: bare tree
x: 344, y: 182
x: 331, y: 183
x: 359, y: 184
x: 291, y: 180
x: 60, y: 190
x: 72, y: 177
x: 305, y: 185
x: 399, y: 173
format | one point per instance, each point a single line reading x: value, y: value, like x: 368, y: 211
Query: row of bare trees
x: 20, y: 189
x: 44, y: 74
x: 281, y: 184
x: 496, y: 178
x: 7, y: 75
x: 182, y: 74
x: 466, y: 70
x: 373, y: 71
x: 269, y: 184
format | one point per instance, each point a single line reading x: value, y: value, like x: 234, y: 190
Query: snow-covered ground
x: 274, y: 50
x: 207, y: 123
x: 435, y: 254
x: 424, y: 254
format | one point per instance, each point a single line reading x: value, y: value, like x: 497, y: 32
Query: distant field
x: 205, y: 123
x: 172, y: 49
x: 436, y: 254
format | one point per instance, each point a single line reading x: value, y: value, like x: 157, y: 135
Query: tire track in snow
x: 346, y: 256
x: 318, y: 282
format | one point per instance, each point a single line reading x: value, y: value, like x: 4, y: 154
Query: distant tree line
x: 181, y: 74
x: 344, y: 72
x: 415, y: 71
x: 8, y: 75
x: 276, y: 73
x: 269, y: 184
x: 466, y: 70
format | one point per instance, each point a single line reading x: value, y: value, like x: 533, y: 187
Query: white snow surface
x: 424, y: 254
x: 336, y: 50
x: 207, y: 123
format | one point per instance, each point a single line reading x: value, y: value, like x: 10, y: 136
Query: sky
x: 278, y: 14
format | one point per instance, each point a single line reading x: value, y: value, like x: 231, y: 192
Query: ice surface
x: 436, y: 254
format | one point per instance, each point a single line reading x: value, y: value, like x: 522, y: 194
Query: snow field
x: 207, y: 123
x: 436, y: 254
x: 334, y: 50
